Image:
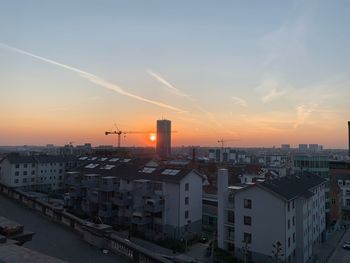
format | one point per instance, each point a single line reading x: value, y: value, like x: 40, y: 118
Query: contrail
x: 167, y: 84
x: 177, y: 91
x: 94, y: 79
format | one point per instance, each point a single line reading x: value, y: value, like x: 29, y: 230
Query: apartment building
x: 228, y: 155
x: 156, y: 201
x: 340, y: 191
x: 289, y: 210
x: 45, y: 173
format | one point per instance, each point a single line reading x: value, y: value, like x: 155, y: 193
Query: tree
x: 277, y: 251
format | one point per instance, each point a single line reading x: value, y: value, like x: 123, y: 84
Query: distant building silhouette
x: 163, y: 148
x: 349, y: 135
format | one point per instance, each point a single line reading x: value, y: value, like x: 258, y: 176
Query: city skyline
x: 264, y: 73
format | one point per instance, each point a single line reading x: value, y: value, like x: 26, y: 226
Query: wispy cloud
x: 270, y: 89
x: 94, y: 79
x: 239, y: 101
x: 303, y: 114
x: 167, y: 84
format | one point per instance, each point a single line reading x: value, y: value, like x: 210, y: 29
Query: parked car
x: 346, y: 245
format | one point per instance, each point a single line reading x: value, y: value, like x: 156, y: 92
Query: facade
x: 210, y: 212
x: 316, y: 164
x: 340, y: 190
x: 228, y: 155
x: 159, y: 202
x: 43, y: 173
x: 290, y: 210
x: 163, y: 147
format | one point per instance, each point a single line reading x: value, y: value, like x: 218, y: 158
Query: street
x: 52, y: 239
x: 341, y: 255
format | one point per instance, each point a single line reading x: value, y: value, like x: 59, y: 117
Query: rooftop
x: 290, y: 187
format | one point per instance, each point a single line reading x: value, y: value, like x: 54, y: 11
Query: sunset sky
x: 263, y: 72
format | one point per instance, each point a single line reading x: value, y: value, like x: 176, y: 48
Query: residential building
x: 156, y: 201
x: 289, y: 210
x: 285, y: 147
x: 228, y: 155
x: 44, y: 173
x: 303, y: 148
x: 340, y: 191
x: 163, y: 147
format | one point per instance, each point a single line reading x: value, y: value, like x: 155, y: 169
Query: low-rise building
x: 158, y: 201
x: 44, y: 173
x: 289, y: 210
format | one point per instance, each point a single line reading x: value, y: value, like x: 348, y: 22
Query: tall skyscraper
x: 163, y: 148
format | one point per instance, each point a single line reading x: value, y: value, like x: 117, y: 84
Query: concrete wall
x: 108, y: 240
x: 268, y: 221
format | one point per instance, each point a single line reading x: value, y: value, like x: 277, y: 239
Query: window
x: 33, y: 165
x: 347, y: 202
x: 186, y: 200
x: 16, y: 173
x: 293, y: 204
x: 293, y: 237
x: 17, y: 166
x: 288, y: 241
x: 288, y: 223
x: 293, y: 221
x: 288, y: 206
x: 24, y: 180
x: 25, y: 165
x: 32, y: 179
x: 247, y: 238
x: 24, y: 172
x: 186, y: 214
x: 248, y: 220
x: 247, y: 203
x: 16, y: 181
x: 187, y: 187
x: 33, y: 172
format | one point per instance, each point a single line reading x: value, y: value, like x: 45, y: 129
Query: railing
x: 154, y: 207
x: 106, y: 239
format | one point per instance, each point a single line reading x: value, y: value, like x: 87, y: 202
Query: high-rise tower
x: 163, y: 148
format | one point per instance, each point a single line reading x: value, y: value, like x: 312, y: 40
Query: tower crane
x: 222, y: 141
x: 119, y: 133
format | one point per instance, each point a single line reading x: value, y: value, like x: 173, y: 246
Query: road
x: 341, y: 255
x: 52, y: 239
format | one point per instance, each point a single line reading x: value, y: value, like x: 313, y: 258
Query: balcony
x: 93, y: 196
x: 107, y: 210
x: 154, y: 205
x: 73, y: 178
x: 122, y: 199
x: 90, y: 181
x: 346, y: 208
x: 140, y: 219
x: 109, y: 184
x: 75, y: 192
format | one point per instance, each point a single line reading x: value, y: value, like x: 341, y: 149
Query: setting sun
x: 152, y: 137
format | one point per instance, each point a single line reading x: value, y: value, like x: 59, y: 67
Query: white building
x: 290, y: 210
x: 35, y: 172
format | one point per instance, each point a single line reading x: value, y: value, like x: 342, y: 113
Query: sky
x: 261, y: 72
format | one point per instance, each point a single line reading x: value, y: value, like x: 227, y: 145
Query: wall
x: 109, y: 239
